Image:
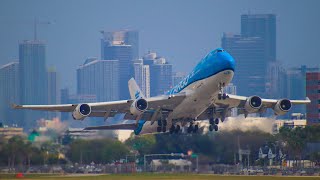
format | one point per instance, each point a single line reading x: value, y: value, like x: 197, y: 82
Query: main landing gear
x: 193, y: 128
x: 213, y: 124
x: 162, y: 125
x: 174, y: 129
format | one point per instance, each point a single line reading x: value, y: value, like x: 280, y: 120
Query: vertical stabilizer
x: 135, y: 91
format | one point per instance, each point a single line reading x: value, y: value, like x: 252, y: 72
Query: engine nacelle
x: 138, y: 106
x: 81, y: 112
x: 253, y: 104
x: 282, y: 107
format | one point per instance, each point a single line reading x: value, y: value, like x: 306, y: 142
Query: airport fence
x: 116, y: 168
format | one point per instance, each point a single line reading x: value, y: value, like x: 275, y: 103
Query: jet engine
x: 138, y: 106
x: 253, y: 104
x: 282, y: 107
x: 81, y: 112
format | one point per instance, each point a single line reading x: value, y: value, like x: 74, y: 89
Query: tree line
x: 220, y: 147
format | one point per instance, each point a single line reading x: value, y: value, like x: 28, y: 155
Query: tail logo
x: 137, y: 94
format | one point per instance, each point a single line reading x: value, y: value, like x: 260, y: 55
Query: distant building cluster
x: 259, y: 72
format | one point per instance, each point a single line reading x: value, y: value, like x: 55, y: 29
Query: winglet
x: 15, y: 106
x: 135, y: 91
x: 307, y: 98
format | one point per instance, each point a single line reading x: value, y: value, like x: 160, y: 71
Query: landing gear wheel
x: 210, y: 128
x: 216, y: 121
x: 211, y: 120
x: 215, y: 128
x: 172, y: 129
x: 190, y: 129
x: 164, y: 129
x: 177, y: 129
x: 195, y: 129
x: 164, y: 122
x: 224, y: 96
x: 159, y: 129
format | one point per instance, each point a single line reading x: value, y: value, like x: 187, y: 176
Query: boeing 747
x: 199, y: 96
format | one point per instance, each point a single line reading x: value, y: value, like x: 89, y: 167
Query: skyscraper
x: 128, y: 37
x: 100, y: 78
x: 33, y: 79
x: 231, y: 89
x: 277, y: 82
x: 160, y: 76
x: 142, y: 76
x: 64, y: 99
x: 263, y: 26
x: 249, y: 53
x: 255, y: 53
x: 122, y: 53
x: 9, y: 93
x: 297, y: 85
x: 313, y: 92
x: 53, y: 91
x: 177, y: 78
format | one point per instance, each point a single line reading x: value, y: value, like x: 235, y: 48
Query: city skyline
x: 74, y: 35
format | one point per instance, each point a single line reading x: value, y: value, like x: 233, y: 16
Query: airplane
x: 199, y: 96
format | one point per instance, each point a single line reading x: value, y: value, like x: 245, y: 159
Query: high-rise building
x: 64, y: 99
x: 249, y: 53
x: 276, y: 86
x: 128, y: 37
x: 263, y: 26
x: 297, y: 85
x: 149, y: 58
x: 9, y: 93
x: 254, y: 49
x: 160, y: 76
x: 231, y: 89
x: 313, y: 92
x: 53, y: 91
x: 33, y: 79
x: 177, y: 78
x: 100, y: 78
x: 142, y: 76
x: 122, y: 53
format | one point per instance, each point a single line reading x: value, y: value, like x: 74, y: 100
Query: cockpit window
x: 220, y: 50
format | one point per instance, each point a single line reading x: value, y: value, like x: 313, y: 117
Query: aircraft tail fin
x: 135, y: 91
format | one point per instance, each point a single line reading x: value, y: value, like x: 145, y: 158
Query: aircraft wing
x: 239, y: 101
x: 99, y: 109
x: 113, y: 127
x: 222, y: 107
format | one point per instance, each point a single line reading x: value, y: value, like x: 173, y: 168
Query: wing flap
x: 59, y: 107
x: 113, y: 127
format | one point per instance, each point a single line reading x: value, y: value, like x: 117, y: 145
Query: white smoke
x: 247, y: 124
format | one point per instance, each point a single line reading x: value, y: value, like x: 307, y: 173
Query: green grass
x: 152, y: 176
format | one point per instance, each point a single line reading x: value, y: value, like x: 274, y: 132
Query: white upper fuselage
x: 201, y: 86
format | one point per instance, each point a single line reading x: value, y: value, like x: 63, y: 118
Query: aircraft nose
x: 228, y: 60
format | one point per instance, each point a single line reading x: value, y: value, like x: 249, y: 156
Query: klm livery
x: 199, y: 96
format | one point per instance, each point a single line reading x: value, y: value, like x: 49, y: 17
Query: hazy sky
x: 182, y: 31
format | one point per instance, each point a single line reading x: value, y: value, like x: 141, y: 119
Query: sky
x: 182, y: 31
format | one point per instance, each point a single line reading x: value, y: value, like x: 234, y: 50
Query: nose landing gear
x: 162, y: 125
x: 213, y: 124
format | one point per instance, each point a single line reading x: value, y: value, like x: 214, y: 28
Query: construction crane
x: 36, y: 23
